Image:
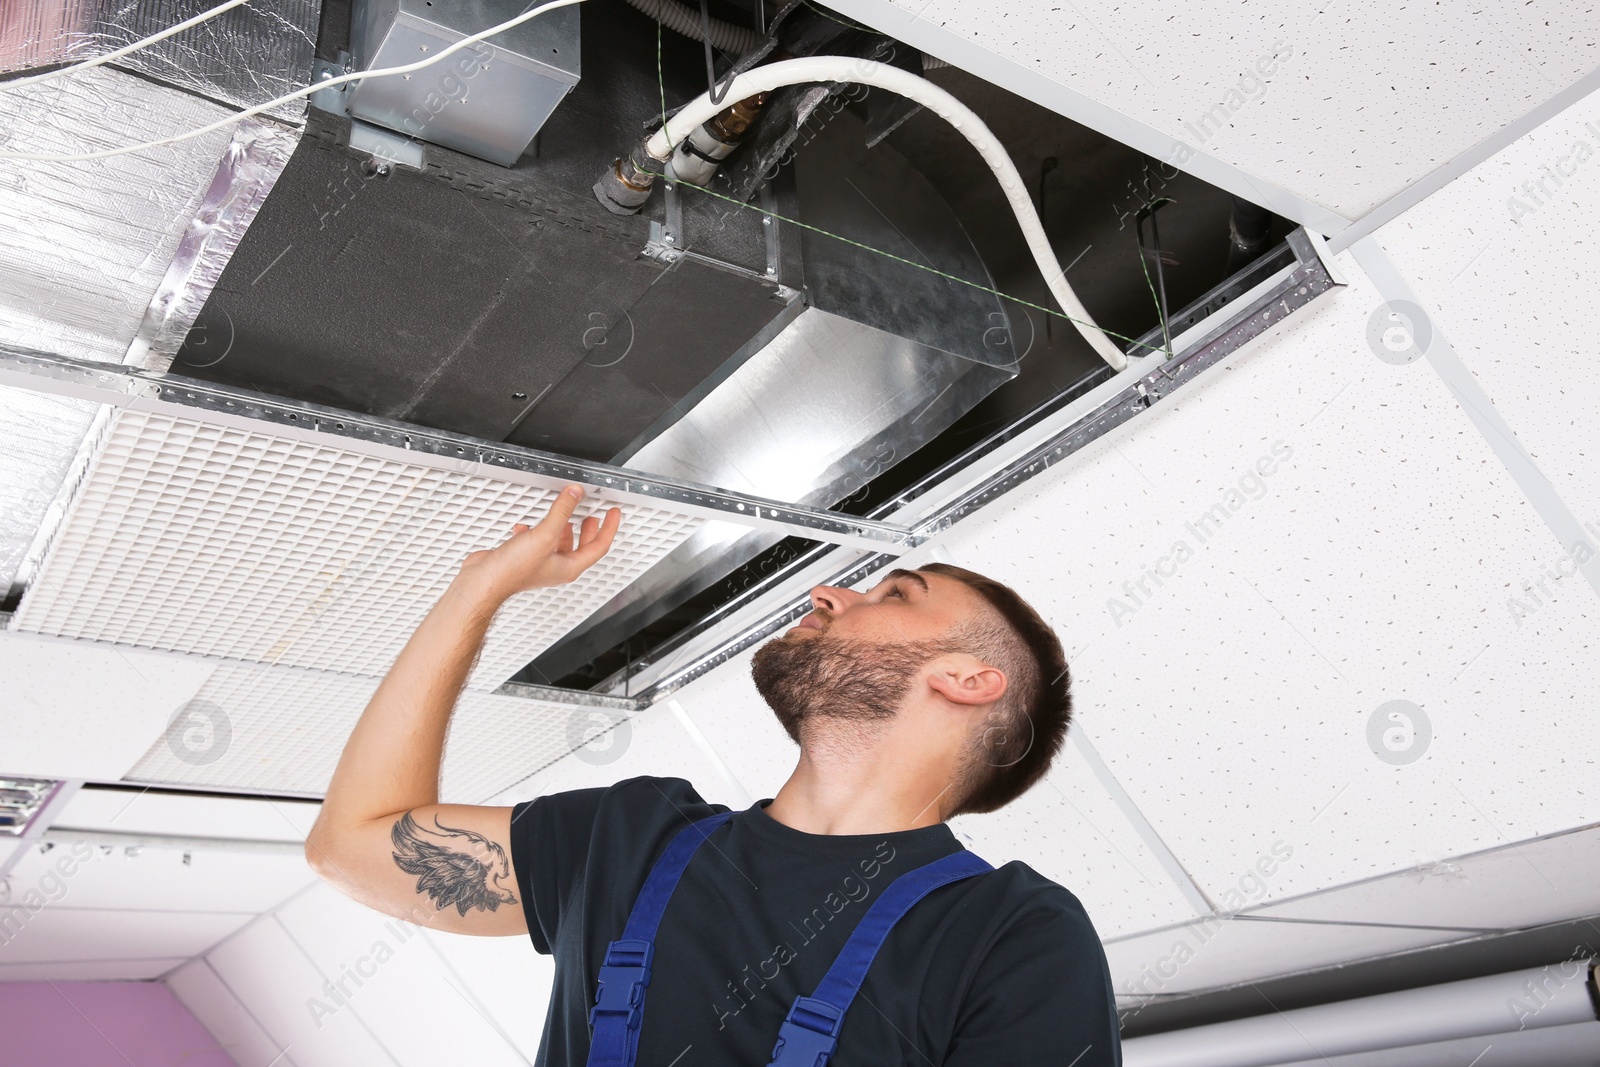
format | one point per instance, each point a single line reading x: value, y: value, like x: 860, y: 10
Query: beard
x: 811, y: 681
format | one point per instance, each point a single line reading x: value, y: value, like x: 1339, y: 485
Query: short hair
x: 1009, y: 753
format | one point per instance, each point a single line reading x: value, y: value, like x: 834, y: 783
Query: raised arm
x: 382, y: 836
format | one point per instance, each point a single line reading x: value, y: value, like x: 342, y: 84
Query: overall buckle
x: 808, y: 1034
x: 623, y: 976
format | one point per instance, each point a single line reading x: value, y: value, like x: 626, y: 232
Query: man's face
x: 905, y: 606
x: 857, y: 656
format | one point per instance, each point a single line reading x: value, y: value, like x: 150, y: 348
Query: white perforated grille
x: 256, y: 545
x: 280, y: 730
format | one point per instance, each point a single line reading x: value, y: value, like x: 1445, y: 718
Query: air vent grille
x: 261, y: 546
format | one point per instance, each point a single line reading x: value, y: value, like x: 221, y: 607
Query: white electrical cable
x: 829, y: 69
x: 109, y: 57
x: 287, y: 97
x: 826, y: 69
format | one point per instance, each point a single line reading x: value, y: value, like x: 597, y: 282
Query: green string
x: 1161, y: 319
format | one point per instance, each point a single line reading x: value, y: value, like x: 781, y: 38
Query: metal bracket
x: 386, y: 147
x: 659, y: 248
x: 770, y: 223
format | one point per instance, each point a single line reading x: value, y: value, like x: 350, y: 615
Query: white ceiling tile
x: 1071, y: 831
x: 273, y: 978
x: 389, y: 974
x: 1360, y: 102
x: 141, y: 811
x: 199, y: 989
x: 284, y: 729
x: 1233, y: 696
x: 59, y: 932
x: 88, y: 970
x: 158, y: 879
x: 80, y: 709
x: 1505, y: 260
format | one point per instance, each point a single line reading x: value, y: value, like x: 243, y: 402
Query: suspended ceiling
x: 1230, y: 707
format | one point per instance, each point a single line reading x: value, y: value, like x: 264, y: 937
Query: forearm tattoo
x: 462, y: 868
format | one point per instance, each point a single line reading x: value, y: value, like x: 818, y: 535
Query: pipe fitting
x: 626, y: 184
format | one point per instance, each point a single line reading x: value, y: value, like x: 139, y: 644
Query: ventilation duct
x: 111, y: 260
x: 487, y: 100
x: 88, y: 260
x: 885, y: 357
x: 1381, y: 1028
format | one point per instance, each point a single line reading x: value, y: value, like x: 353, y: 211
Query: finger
x: 590, y: 553
x: 587, y: 532
x: 565, y: 503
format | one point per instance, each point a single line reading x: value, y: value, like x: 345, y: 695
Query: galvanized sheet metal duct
x: 819, y: 412
x: 112, y: 259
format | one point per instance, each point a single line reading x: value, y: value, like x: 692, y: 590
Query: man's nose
x: 834, y: 600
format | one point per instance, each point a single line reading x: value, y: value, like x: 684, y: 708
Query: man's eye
x: 897, y: 592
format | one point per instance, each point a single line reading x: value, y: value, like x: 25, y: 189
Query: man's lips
x: 811, y: 622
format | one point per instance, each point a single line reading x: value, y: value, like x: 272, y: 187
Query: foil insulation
x: 84, y: 246
x: 250, y: 166
x: 245, y: 56
x: 43, y: 435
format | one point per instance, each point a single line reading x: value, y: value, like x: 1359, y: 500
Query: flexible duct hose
x: 829, y: 69
x: 674, y: 16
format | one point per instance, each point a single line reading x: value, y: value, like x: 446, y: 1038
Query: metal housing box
x: 488, y: 99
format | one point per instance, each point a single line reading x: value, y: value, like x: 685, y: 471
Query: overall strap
x: 619, y: 1002
x: 809, y: 1033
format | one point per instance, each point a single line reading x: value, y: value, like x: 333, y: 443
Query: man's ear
x: 967, y: 680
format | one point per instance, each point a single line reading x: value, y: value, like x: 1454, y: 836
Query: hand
x: 535, y: 557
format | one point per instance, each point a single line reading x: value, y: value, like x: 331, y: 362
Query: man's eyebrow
x: 911, y: 575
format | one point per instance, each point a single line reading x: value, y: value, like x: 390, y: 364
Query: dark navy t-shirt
x: 1002, y: 968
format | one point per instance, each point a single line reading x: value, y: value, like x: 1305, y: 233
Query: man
x: 937, y: 692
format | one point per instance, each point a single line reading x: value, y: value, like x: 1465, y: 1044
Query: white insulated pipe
x: 828, y: 69
x: 1554, y: 995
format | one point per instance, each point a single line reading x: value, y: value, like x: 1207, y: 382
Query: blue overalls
x: 811, y: 1029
